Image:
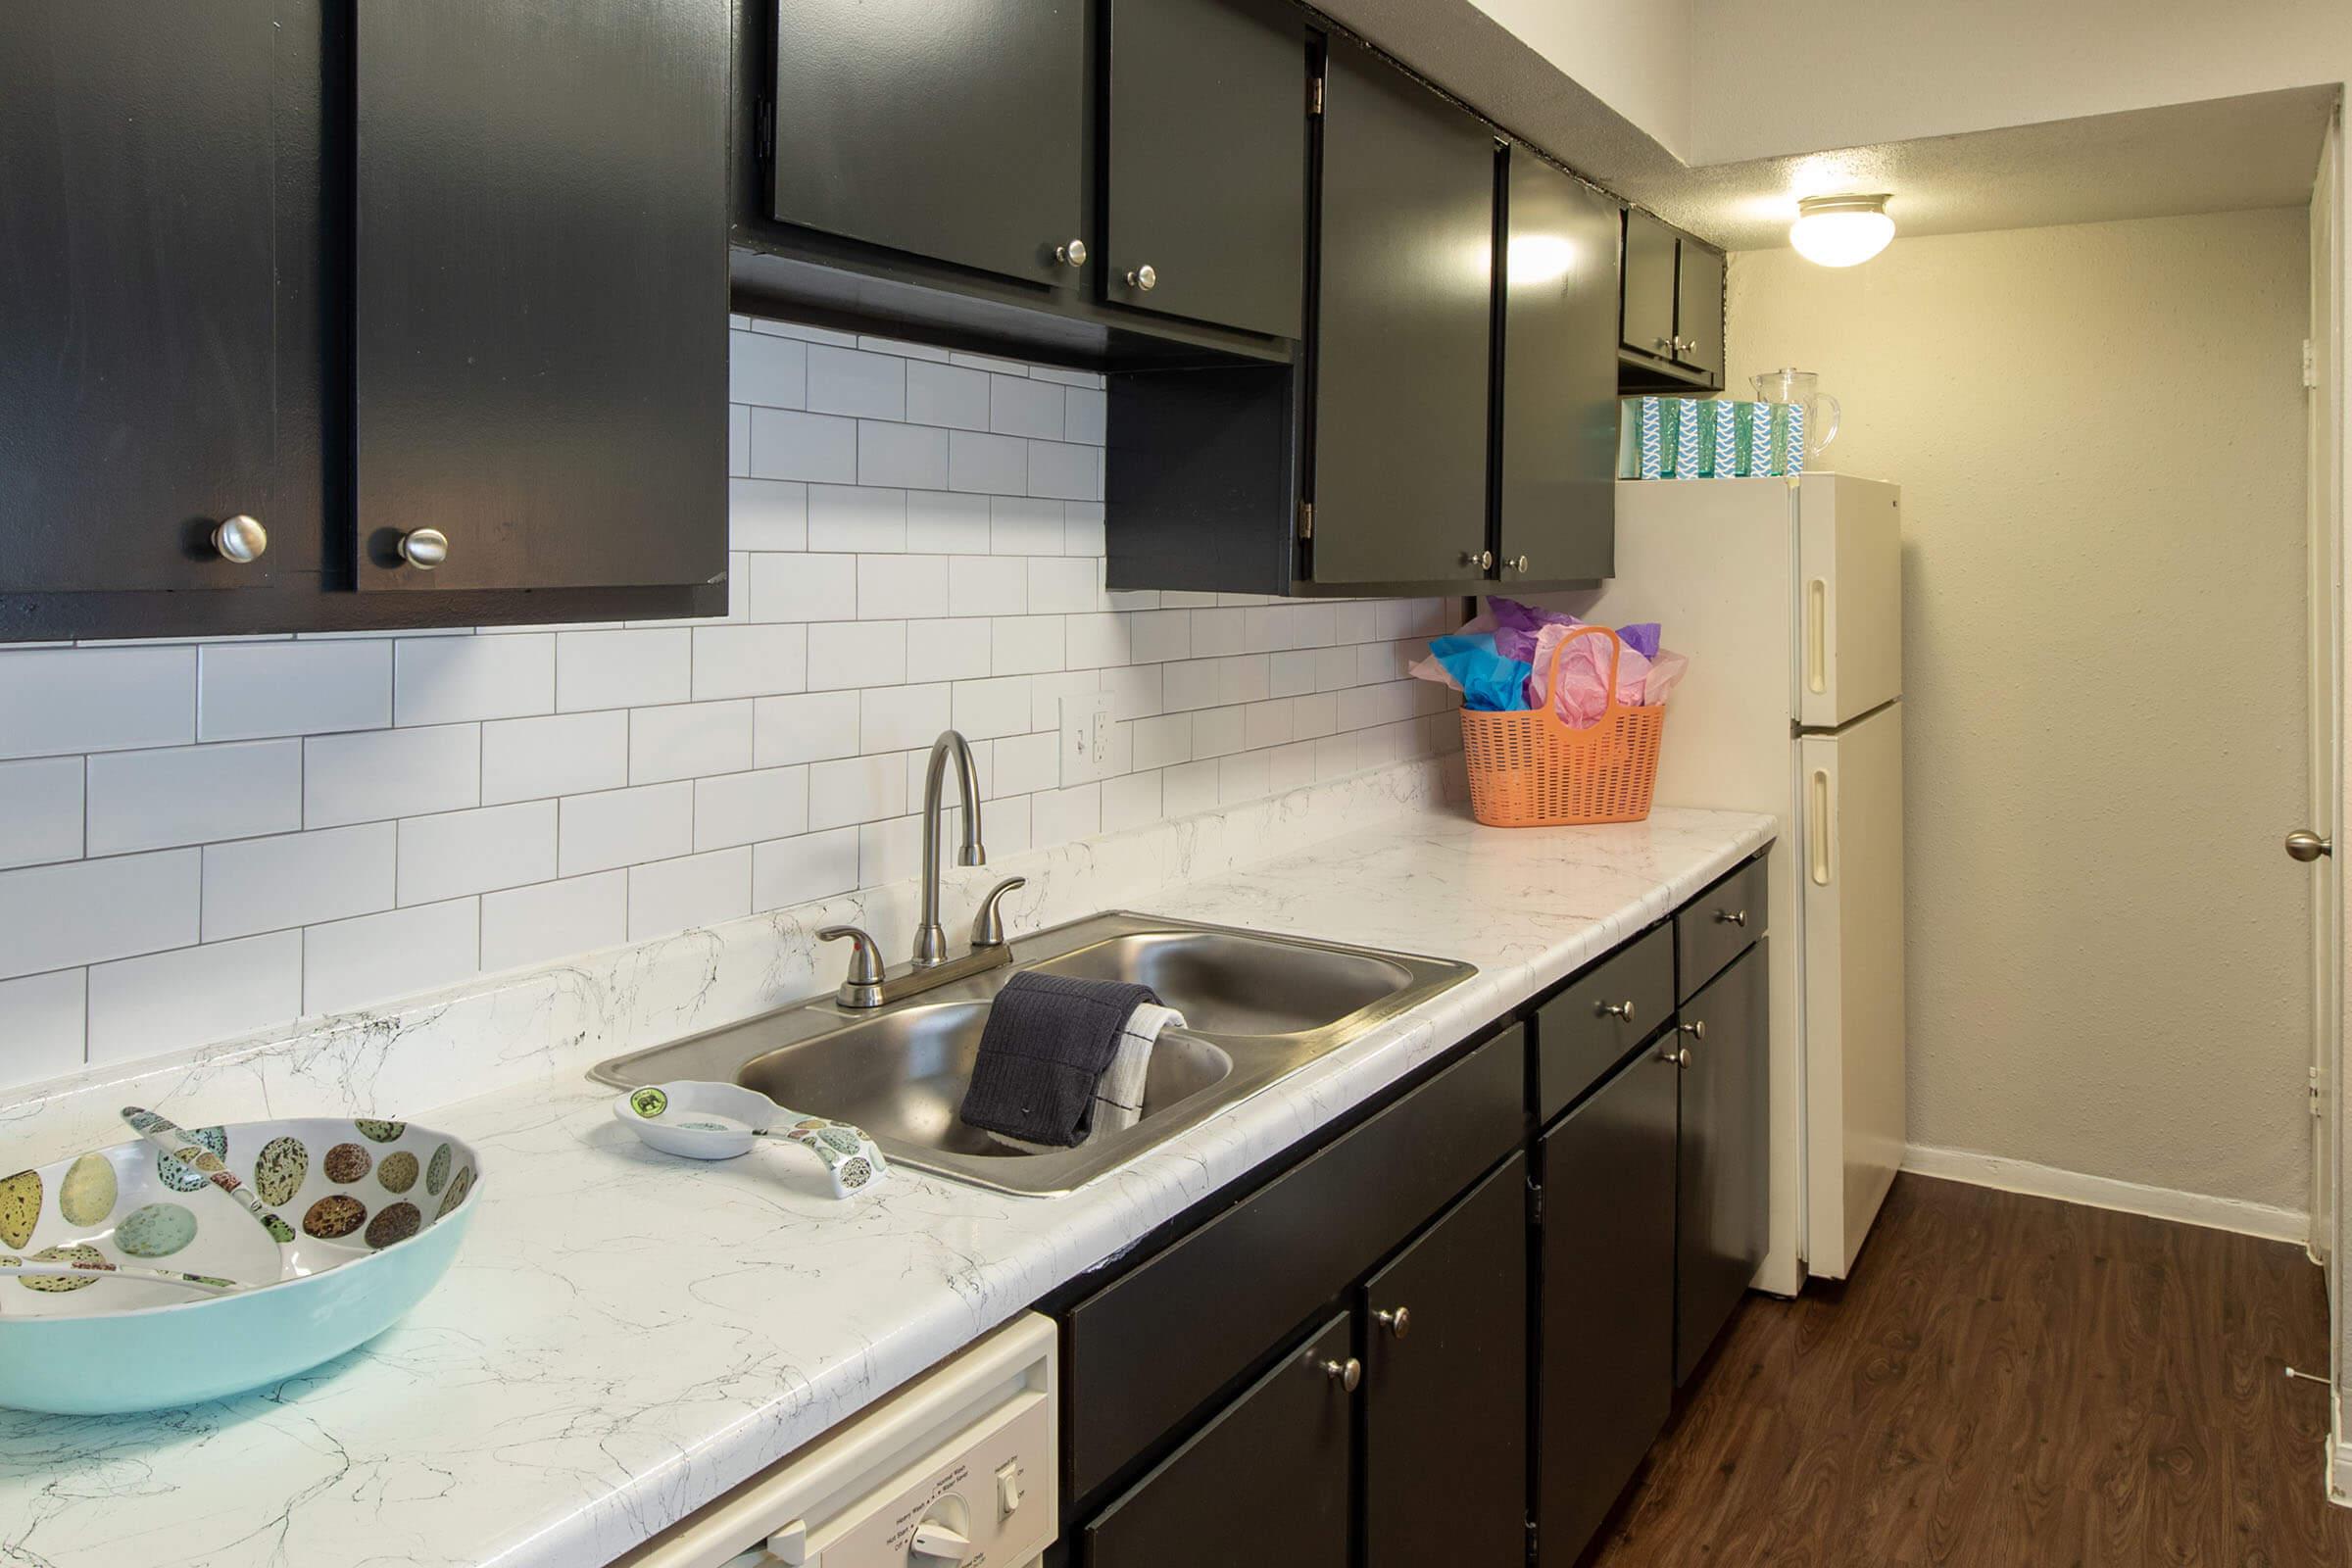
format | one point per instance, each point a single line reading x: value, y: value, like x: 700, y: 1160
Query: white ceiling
x: 2220, y: 155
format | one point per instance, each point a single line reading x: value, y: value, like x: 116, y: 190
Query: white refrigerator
x: 1787, y: 595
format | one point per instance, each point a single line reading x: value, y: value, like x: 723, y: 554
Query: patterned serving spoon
x: 90, y: 1269
x: 170, y: 1137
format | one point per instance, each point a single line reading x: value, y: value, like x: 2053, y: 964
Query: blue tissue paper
x: 1491, y: 683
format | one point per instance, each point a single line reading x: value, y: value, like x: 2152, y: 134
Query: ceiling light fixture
x: 1840, y: 230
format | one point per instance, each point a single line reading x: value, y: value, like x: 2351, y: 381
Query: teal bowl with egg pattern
x: 365, y: 1218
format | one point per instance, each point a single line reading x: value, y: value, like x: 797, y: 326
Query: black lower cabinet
x: 1444, y: 1326
x: 1719, y: 1214
x: 1605, y: 1299
x: 1266, y: 1481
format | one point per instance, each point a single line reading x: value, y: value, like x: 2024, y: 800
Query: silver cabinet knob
x: 1622, y: 1012
x: 425, y: 547
x: 1697, y: 1028
x: 1071, y: 253
x: 1731, y: 917
x: 1483, y: 560
x: 1675, y: 1058
x: 241, y: 539
x: 1346, y: 1374
x: 1520, y: 566
x: 1398, y: 1322
x: 1668, y: 345
x: 1145, y: 277
x: 1691, y: 344
x: 2305, y: 844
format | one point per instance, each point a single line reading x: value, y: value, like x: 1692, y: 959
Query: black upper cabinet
x: 1649, y: 285
x: 1698, y: 310
x: 1207, y: 162
x: 1671, y: 324
x: 1556, y: 492
x: 158, y: 256
x: 1445, y: 1327
x: 953, y: 129
x: 1403, y: 318
x: 541, y: 339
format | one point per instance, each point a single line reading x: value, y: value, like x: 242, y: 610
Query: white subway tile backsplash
x: 59, y: 700
x: 917, y: 538
x: 810, y: 865
x: 449, y: 680
x: 350, y: 963
x: 623, y: 827
x: 989, y: 464
x: 41, y: 1020
x: 192, y: 795
x: 86, y: 912
x: 40, y: 811
x: 822, y: 448
x: 767, y: 514
x: 948, y: 395
x: 871, y: 386
x: 744, y: 808
x: 696, y: 891
x: 457, y: 852
x: 856, y: 518
x: 911, y: 457
x: 550, y: 920
x: 748, y: 661
x: 804, y: 729
x: 623, y: 669
x: 689, y: 740
x: 296, y: 879
x: 568, y: 754
x: 191, y: 996
x: 374, y: 775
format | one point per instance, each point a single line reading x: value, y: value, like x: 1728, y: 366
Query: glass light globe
x: 1840, y: 230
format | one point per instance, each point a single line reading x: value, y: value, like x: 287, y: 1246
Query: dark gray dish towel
x: 1048, y: 1041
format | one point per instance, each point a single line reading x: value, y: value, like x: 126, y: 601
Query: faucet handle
x: 988, y: 922
x: 861, y: 986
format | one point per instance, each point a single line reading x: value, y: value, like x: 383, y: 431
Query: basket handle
x: 1552, y: 689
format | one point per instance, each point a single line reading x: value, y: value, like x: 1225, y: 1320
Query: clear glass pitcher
x: 1803, y: 389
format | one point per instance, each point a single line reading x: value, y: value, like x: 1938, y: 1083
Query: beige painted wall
x: 2098, y: 432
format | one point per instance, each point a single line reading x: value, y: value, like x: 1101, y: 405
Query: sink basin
x: 1226, y: 983
x: 902, y: 1076
x: 1257, y: 1007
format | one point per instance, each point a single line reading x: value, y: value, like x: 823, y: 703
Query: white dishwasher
x: 960, y: 1466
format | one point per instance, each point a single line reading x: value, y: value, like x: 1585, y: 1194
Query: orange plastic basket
x: 1530, y: 769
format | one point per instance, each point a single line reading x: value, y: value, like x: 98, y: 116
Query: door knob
x: 1071, y: 253
x: 1520, y: 566
x: 1731, y: 917
x: 1622, y: 1012
x: 241, y: 539
x: 1398, y: 1322
x: 425, y: 547
x: 1483, y: 560
x: 1676, y: 1057
x: 1697, y: 1028
x: 1145, y: 277
x: 1346, y: 1374
x: 2305, y: 844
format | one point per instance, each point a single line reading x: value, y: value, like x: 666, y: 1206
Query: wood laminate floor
x: 2007, y: 1382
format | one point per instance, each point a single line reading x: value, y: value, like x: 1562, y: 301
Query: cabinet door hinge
x: 1533, y: 1554
x: 1314, y: 95
x: 1306, y: 519
x: 1536, y: 1201
x: 766, y: 136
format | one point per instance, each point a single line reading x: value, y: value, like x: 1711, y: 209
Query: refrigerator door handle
x: 1817, y: 828
x: 1817, y: 636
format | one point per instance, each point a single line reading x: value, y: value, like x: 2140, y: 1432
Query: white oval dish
x: 699, y: 1119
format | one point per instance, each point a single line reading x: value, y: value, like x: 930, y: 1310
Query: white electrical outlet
x: 1085, y: 737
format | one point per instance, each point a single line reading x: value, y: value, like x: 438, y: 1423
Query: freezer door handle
x: 1817, y: 636
x: 1817, y: 828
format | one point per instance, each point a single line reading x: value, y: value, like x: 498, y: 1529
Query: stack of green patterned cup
x: 1708, y: 438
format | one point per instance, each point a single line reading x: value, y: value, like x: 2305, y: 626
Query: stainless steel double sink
x: 1257, y: 1007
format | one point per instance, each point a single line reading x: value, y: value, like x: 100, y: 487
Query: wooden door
x: 1402, y: 324
x: 1605, y: 1304
x: 541, y: 345
x: 159, y: 244
x: 1649, y: 285
x: 1557, y: 488
x: 1719, y: 1214
x: 1266, y: 1481
x: 1445, y: 1327
x: 953, y: 129
x: 1207, y: 161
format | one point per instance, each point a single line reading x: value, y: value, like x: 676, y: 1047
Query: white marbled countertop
x: 626, y: 1336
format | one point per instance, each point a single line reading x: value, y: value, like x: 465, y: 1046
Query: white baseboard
x: 2105, y: 1191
